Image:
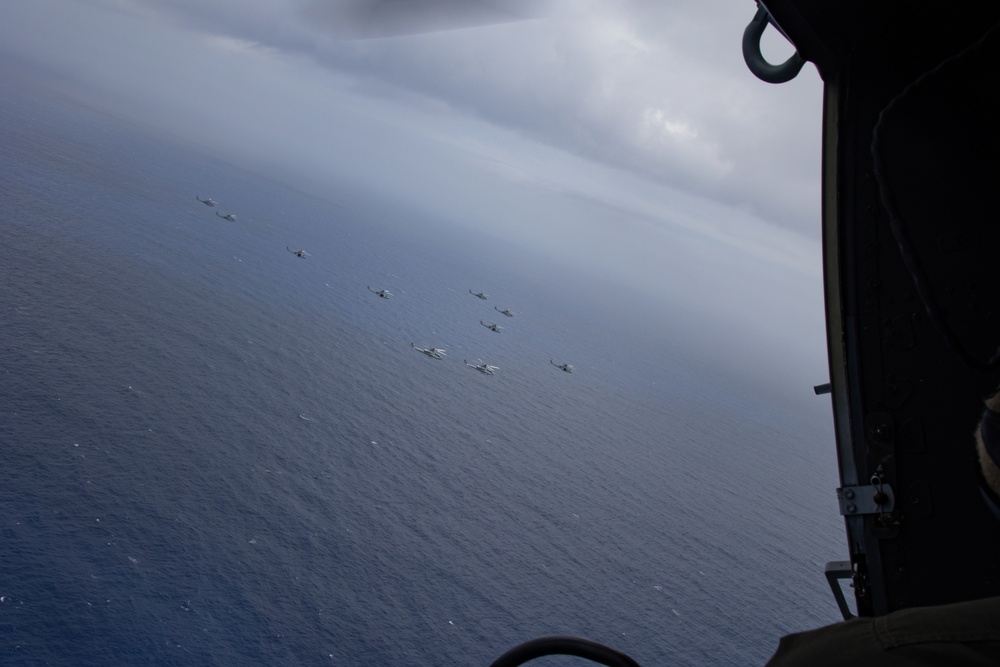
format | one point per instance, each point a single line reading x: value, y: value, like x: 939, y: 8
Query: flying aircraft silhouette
x: 482, y: 367
x: 432, y: 352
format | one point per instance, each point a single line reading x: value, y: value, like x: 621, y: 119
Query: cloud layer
x: 653, y: 88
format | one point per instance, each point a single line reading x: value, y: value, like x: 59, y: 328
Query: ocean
x: 217, y: 453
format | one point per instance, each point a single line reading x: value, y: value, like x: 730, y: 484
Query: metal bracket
x: 837, y: 570
x: 867, y: 499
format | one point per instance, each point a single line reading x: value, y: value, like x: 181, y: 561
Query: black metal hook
x: 755, y: 60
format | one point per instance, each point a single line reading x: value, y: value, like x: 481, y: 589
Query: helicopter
x: 482, y: 367
x: 432, y: 352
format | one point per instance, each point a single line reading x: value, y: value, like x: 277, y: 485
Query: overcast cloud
x: 627, y: 133
x: 656, y: 88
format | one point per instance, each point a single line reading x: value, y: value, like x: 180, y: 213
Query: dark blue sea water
x: 215, y: 453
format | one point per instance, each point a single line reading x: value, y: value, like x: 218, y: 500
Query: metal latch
x: 874, y: 498
x: 835, y: 571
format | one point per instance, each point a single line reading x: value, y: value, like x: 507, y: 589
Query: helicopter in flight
x: 432, y: 352
x: 383, y: 293
x: 228, y: 216
x: 482, y: 367
x: 206, y: 202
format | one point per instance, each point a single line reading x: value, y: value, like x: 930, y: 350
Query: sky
x: 626, y: 136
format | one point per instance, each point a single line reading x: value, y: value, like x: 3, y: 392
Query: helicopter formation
x: 211, y: 202
x: 481, y: 366
x: 430, y: 351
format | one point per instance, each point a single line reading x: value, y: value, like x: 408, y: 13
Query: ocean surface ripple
x: 216, y: 453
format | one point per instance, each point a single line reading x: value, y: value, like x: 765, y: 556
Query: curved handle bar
x: 580, y: 648
x: 755, y: 60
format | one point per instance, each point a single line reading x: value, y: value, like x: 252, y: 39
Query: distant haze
x: 625, y: 140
